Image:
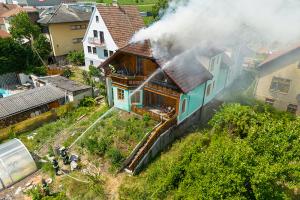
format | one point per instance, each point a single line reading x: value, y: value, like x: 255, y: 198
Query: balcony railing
x: 129, y: 81
x: 153, y: 115
x: 96, y: 41
x: 153, y: 86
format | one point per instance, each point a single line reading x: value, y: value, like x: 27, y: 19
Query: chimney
x: 115, y: 2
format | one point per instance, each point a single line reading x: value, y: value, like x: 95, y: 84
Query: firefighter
x: 64, y: 155
x: 55, y: 166
x: 45, y: 188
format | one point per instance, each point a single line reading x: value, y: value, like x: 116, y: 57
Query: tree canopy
x: 249, y: 153
x: 26, y: 49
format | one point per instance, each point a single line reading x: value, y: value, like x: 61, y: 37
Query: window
x: 120, y: 94
x: 111, y: 53
x: 292, y: 108
x: 78, y: 27
x: 212, y: 64
x: 208, y: 90
x: 94, y: 50
x: 77, y: 40
x: 183, y: 106
x: 95, y: 33
x: 97, y: 18
x: 280, y: 85
x: 139, y: 65
x: 136, y: 98
x: 89, y: 49
x: 91, y: 62
x: 270, y: 101
x: 101, y: 33
x: 105, y: 53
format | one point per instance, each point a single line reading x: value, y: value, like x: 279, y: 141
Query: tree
x: 158, y: 8
x: 76, y: 58
x: 42, y: 46
x: 22, y: 28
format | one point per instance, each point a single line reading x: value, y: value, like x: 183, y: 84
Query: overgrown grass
x: 251, y: 152
x: 46, y: 133
x: 116, y: 136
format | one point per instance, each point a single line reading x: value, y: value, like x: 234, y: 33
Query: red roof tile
x: 4, y: 34
x: 122, y: 22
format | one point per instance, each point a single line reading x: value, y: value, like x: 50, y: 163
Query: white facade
x: 92, y: 43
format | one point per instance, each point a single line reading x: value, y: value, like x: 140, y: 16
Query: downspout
x: 201, y: 110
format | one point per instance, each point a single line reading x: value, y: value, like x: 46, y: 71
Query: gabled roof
x: 4, y: 34
x: 122, y: 22
x: 29, y: 99
x: 65, y: 13
x: 64, y: 83
x: 185, y: 77
x: 277, y: 55
x: 18, y: 10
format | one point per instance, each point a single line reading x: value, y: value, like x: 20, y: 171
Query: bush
x: 76, y: 58
x: 67, y: 72
x: 115, y: 156
x: 87, y: 102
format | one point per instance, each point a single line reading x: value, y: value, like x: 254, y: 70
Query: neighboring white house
x: 110, y: 28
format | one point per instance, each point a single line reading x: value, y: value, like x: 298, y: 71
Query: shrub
x: 115, y: 156
x: 87, y: 102
x: 67, y: 72
x: 76, y: 58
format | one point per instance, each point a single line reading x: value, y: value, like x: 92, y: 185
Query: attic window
x: 97, y: 18
x: 183, y: 106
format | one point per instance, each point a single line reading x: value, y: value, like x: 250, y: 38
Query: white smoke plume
x: 223, y: 23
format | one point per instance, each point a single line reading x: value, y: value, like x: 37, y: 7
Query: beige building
x: 65, y: 26
x: 278, y: 83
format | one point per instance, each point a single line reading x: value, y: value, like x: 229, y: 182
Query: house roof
x: 64, y: 83
x: 277, y: 55
x: 4, y: 34
x: 17, y: 10
x: 29, y: 99
x: 185, y: 77
x: 121, y: 21
x: 6, y: 7
x: 64, y: 13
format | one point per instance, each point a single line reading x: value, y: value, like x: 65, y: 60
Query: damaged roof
x: 28, y: 100
x: 122, y: 22
x: 64, y: 83
x: 185, y: 77
x: 65, y: 13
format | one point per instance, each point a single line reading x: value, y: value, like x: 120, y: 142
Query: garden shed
x: 16, y: 163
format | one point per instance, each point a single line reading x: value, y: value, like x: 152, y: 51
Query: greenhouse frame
x: 16, y: 163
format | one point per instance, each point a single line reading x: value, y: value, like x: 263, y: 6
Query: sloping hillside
x: 250, y: 153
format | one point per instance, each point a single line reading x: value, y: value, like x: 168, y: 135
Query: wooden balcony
x: 163, y: 90
x: 127, y: 81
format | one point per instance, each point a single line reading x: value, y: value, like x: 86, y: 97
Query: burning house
x: 174, y: 90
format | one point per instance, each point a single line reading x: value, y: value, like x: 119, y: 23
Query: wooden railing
x: 150, y: 141
x: 142, y: 111
x: 162, y: 89
x: 130, y: 81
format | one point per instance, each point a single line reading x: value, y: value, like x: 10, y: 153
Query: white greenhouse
x: 16, y: 163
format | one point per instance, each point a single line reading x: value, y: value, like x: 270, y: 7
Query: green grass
x: 46, y: 133
x: 116, y: 136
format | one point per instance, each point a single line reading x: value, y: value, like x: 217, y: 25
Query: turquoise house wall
x: 194, y: 101
x: 121, y: 104
x: 218, y: 81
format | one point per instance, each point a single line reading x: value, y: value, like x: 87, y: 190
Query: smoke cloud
x: 223, y: 23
